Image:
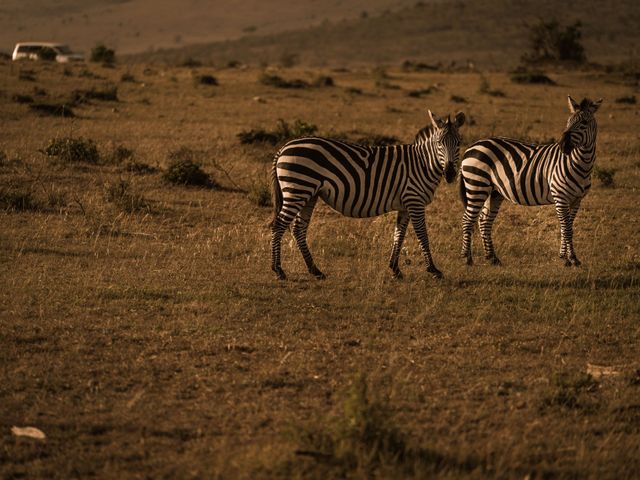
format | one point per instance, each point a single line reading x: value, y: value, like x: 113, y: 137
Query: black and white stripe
x: 558, y: 173
x: 360, y: 182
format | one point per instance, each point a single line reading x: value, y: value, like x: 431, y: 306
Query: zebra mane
x: 424, y: 134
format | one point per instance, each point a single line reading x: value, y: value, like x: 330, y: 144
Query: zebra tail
x: 276, y: 191
x: 463, y: 192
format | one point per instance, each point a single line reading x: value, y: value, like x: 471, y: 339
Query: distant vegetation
x: 184, y: 169
x: 550, y: 42
x: 72, y: 150
x: 102, y: 54
x: 283, y: 132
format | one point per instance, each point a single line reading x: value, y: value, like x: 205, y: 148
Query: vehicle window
x: 63, y: 49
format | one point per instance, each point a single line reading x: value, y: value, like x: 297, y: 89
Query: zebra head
x: 581, y: 125
x: 447, y: 141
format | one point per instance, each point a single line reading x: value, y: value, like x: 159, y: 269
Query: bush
x: 18, y: 98
x: 534, y: 77
x: 184, y: 170
x: 549, y: 42
x: 279, y: 82
x: 485, y: 88
x: 458, y: 99
x: 101, y: 54
x: 205, y: 80
x: 127, y: 77
x: 53, y: 109
x: 120, y: 194
x: 377, y: 140
x: 282, y: 132
x: 605, y: 176
x: 17, y: 200
x: 631, y: 100
x: 570, y: 391
x: 119, y: 155
x: 72, y: 150
x: 260, y: 194
x: 323, y: 81
x: 138, y: 168
x: 108, y: 93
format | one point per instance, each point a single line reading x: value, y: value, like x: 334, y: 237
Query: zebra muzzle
x: 449, y: 172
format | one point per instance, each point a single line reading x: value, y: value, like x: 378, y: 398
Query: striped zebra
x: 557, y: 173
x: 360, y: 181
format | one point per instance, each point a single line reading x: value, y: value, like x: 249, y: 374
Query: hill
x: 491, y: 34
x: 131, y: 26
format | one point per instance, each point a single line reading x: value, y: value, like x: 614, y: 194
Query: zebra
x: 557, y: 173
x: 361, y: 181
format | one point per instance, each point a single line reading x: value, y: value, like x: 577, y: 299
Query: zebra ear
x: 459, y: 120
x: 573, y: 105
x: 436, y: 121
x: 595, y: 105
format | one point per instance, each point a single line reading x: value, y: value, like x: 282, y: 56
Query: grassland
x: 155, y: 342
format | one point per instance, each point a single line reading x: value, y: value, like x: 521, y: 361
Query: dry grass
x: 156, y: 342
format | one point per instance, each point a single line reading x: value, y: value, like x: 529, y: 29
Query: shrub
x: 27, y: 75
x: 121, y: 195
x: 190, y: 63
x: 53, y: 109
x: 18, y: 98
x: 410, y: 66
x: 136, y: 167
x: 420, y: 92
x: 282, y: 132
x: 108, y: 93
x: 570, y: 391
x: 534, y: 77
x: 458, y: 99
x: 72, y: 150
x: 127, y: 77
x: 205, y: 80
x: 323, y: 81
x: 605, y: 176
x: 549, y: 42
x: 485, y: 88
x: 260, y: 193
x: 631, y: 100
x: 279, y: 82
x: 376, y: 139
x: 119, y: 155
x: 17, y: 200
x: 184, y: 170
x: 101, y: 54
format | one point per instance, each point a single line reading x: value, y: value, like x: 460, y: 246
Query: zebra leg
x: 487, y: 216
x: 573, y: 212
x: 398, y: 237
x: 566, y: 233
x: 289, y: 211
x: 300, y: 225
x: 420, y: 227
x: 472, y: 210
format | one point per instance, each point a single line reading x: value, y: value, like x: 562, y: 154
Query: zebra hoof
x: 397, y: 275
x: 280, y: 274
x: 317, y: 273
x: 567, y: 262
x: 576, y: 262
x: 494, y: 261
x: 469, y: 260
x: 435, y: 273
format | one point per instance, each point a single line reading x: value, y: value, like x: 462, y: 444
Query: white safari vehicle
x: 45, y: 51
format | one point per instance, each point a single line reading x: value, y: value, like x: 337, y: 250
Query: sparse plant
x: 19, y: 98
x: 72, y: 150
x: 205, y: 80
x: 119, y: 154
x: 323, y: 81
x: 570, y: 391
x: 605, y: 176
x: 108, y: 93
x: 190, y: 63
x: 418, y: 93
x: 122, y: 196
x: 531, y: 77
x: 260, y: 193
x: 283, y: 131
x: 485, y: 88
x: 139, y: 168
x: 279, y: 82
x: 17, y: 200
x: 53, y: 109
x: 127, y: 77
x: 550, y: 42
x: 101, y: 54
x: 183, y: 169
x: 458, y: 99
x: 630, y: 100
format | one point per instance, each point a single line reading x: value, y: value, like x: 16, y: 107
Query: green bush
x: 550, y: 42
x: 101, y: 54
x: 72, y: 150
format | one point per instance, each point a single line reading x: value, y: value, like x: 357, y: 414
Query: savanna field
x: 143, y: 331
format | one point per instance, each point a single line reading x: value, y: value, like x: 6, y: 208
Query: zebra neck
x: 584, y: 157
x: 428, y: 158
